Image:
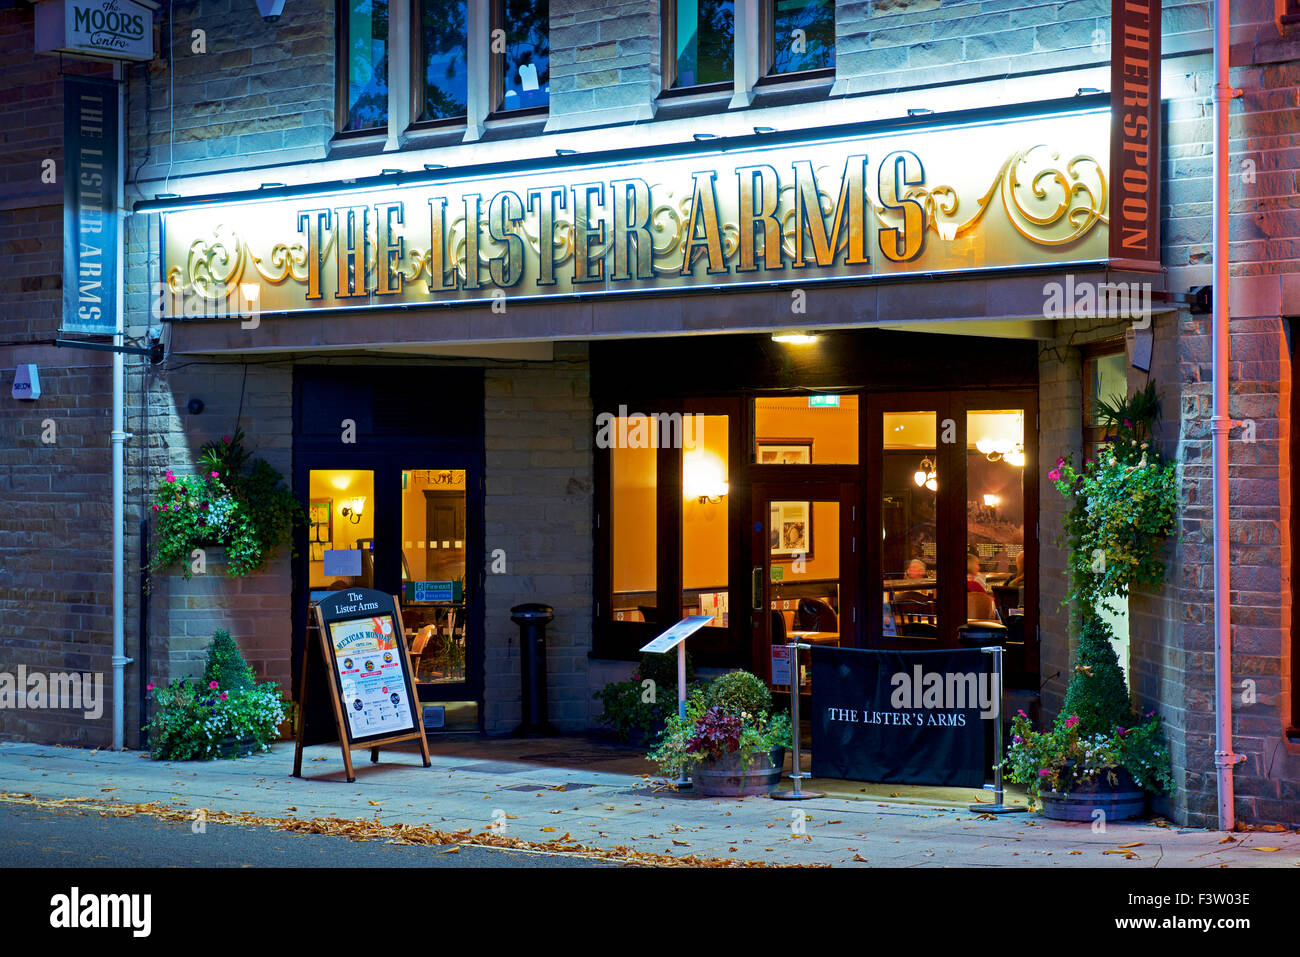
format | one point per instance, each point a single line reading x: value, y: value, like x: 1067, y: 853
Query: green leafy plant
x: 739, y: 692
x: 710, y: 730
x: 634, y: 709
x: 246, y: 508
x: 201, y: 719
x: 1123, y: 505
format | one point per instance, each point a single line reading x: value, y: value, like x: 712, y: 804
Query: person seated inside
x: 974, y: 580
x: 1018, y: 579
x: 915, y: 569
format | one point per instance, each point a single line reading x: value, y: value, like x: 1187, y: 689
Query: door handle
x: 756, y: 589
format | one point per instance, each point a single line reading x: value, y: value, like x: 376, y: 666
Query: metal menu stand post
x: 796, y: 770
x: 997, y: 807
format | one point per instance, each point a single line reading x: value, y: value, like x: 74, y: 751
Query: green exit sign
x: 823, y: 401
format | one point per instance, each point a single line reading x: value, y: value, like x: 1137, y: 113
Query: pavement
x: 540, y: 792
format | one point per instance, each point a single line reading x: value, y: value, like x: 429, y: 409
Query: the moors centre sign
x: 110, y: 29
x: 1019, y: 192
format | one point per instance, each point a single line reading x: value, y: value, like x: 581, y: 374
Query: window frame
x: 766, y: 43
x: 668, y: 57
x: 496, y: 69
x: 1092, y: 435
x: 341, y: 75
x: 419, y: 71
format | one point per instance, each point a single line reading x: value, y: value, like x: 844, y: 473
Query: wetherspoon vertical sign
x: 90, y: 131
x: 1135, y: 133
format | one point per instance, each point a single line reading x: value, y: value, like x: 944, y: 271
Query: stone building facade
x: 233, y: 102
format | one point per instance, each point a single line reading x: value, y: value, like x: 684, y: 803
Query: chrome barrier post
x: 997, y: 807
x: 683, y: 782
x: 796, y: 772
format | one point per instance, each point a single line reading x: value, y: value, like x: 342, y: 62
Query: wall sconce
x: 352, y: 512
x: 991, y: 501
x: 925, y: 475
x: 703, y: 479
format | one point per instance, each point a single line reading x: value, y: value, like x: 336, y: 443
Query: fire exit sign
x: 823, y: 401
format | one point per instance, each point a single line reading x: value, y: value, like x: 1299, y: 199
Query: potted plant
x: 637, y: 710
x: 226, y: 714
x: 1099, y: 755
x: 244, y: 507
x: 730, y: 742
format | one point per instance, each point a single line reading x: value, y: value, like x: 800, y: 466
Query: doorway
x: 398, y: 508
x: 804, y: 573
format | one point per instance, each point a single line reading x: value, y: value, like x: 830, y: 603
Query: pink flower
x: 214, y: 475
x: 1060, y: 460
x: 1043, y: 772
x: 212, y: 685
x: 225, y: 438
x: 1128, y: 424
x: 223, y: 695
x: 155, y: 508
x: 1119, y: 731
x: 1021, y: 712
x: 170, y: 477
x: 1054, y: 475
x: 1071, y: 721
x: 149, y: 686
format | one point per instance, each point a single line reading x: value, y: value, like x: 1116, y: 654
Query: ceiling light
x: 794, y: 338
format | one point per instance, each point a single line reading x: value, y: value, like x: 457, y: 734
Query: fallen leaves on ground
x: 362, y: 829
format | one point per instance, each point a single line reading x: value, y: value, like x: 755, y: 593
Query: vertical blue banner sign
x: 90, y: 200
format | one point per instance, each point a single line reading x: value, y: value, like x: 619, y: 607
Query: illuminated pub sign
x: 948, y: 199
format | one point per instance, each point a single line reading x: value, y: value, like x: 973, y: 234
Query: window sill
x: 515, y: 123
x: 369, y: 143
x: 684, y: 104
x: 792, y: 89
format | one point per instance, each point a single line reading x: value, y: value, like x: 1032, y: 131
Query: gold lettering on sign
x: 758, y: 183
x: 631, y: 201
x: 438, y: 259
x: 587, y: 267
x: 388, y: 253
x: 315, y: 222
x: 704, y: 211
x: 850, y: 215
x: 350, y: 228
x: 546, y: 203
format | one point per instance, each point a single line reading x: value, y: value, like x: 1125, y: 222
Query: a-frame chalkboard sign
x: 362, y: 654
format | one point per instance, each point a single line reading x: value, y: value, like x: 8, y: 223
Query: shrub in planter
x: 718, y: 728
x: 739, y: 692
x: 637, y: 712
x: 208, y: 719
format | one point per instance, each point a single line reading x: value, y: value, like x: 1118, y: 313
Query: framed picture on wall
x: 784, y: 452
x: 790, y: 529
x: 319, y: 513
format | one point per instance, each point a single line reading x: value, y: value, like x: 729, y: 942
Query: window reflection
x: 634, y: 520
x: 444, y: 24
x: 909, y: 546
x: 705, y: 490
x: 526, y: 62
x: 705, y: 32
x: 367, y: 65
x: 995, y: 518
x: 803, y: 35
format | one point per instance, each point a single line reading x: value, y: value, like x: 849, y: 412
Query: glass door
x: 804, y: 570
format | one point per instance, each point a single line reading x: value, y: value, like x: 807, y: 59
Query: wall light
x: 352, y: 511
x: 991, y: 500
x: 925, y: 475
x: 703, y: 478
x: 794, y: 338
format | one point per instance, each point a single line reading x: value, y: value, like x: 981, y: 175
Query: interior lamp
x: 702, y: 479
x: 353, y: 510
x: 925, y: 475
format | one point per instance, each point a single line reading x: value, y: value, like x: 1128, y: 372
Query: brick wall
x: 604, y: 62
x: 538, y: 508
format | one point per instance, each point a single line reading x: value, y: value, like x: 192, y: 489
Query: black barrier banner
x: 906, y: 717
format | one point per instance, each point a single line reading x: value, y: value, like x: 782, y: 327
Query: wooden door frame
x: 765, y: 490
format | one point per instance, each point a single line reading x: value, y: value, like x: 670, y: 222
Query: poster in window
x: 790, y: 529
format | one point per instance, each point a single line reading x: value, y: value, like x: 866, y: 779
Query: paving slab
x: 613, y: 799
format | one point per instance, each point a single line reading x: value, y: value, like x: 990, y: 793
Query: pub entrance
x: 388, y: 463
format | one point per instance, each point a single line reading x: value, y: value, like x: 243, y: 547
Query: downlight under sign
x: 103, y: 29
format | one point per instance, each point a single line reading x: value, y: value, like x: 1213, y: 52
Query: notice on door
x: 373, y: 689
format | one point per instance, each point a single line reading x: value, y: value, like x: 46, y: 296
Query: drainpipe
x: 119, y: 435
x: 1220, y: 423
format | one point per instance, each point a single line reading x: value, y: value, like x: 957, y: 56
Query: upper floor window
x: 700, y: 43
x: 801, y: 35
x: 444, y: 46
x: 363, y: 81
x: 521, y: 54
